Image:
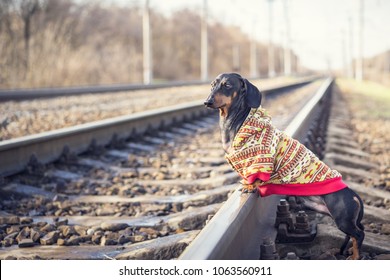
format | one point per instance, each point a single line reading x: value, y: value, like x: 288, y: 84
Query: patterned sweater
x: 282, y: 164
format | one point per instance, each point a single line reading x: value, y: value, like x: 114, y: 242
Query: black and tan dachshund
x: 236, y: 98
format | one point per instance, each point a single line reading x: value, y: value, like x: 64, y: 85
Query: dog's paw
x: 354, y: 257
x: 248, y: 189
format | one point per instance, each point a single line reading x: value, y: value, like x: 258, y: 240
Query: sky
x: 321, y: 31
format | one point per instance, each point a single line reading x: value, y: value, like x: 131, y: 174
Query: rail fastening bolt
x: 302, y: 222
x: 291, y: 256
x: 268, y: 250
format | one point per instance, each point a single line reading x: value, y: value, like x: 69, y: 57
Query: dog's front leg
x: 249, y: 188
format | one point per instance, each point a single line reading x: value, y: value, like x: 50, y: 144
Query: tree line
x: 47, y: 43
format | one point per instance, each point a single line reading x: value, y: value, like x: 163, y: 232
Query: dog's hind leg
x: 357, y: 241
x: 346, y: 208
x: 357, y: 236
x: 344, y: 246
x: 355, y: 250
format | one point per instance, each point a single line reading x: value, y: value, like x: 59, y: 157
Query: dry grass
x: 369, y: 104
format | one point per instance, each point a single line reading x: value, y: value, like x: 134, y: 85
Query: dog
x: 271, y: 162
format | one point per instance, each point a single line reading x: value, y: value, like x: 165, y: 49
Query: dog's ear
x: 253, y: 95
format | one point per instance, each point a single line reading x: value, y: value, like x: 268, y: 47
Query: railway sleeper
x: 104, y: 231
x: 168, y: 247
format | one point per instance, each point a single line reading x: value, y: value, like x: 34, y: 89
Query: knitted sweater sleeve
x: 254, y: 152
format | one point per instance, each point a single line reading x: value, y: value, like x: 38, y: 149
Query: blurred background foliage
x: 47, y: 43
x: 53, y: 43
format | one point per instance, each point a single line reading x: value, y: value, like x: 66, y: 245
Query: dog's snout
x: 209, y: 102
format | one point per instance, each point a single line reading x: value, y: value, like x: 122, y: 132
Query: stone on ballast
x: 74, y: 240
x: 50, y: 238
x: 61, y: 242
x: 137, y: 238
x: 124, y: 239
x: 26, y: 220
x: 12, y: 235
x: 58, y: 212
x: 113, y: 226
x: 23, y: 234
x: 67, y: 230
x: 35, y: 235
x: 81, y: 230
x: 27, y: 242
x: 96, y: 239
x: 149, y: 231
x: 61, y: 223
x: 385, y: 229
x: 12, y: 229
x: 106, y: 241
x: 7, y: 242
x: 48, y: 228
x: 106, y: 211
x: 14, y: 220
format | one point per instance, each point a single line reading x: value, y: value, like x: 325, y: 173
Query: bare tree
x: 27, y: 9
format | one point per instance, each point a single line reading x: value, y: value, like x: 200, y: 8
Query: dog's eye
x: 227, y: 85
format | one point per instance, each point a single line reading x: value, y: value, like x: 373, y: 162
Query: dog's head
x: 229, y: 88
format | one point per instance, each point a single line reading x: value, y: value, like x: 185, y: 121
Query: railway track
x: 87, y: 185
x: 143, y: 198
x: 29, y: 94
x: 28, y: 113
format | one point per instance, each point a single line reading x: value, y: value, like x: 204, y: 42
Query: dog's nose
x: 208, y: 102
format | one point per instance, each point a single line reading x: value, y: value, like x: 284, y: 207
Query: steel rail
x: 26, y: 94
x: 46, y: 147
x: 239, y: 227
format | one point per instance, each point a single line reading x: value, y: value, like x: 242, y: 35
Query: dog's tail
x: 360, y: 209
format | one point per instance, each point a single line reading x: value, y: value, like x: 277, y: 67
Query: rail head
x: 238, y: 228
x: 34, y: 93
